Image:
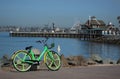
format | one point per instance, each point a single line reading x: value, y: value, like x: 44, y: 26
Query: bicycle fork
x: 50, y: 55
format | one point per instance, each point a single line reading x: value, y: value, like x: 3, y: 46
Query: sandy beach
x: 80, y: 72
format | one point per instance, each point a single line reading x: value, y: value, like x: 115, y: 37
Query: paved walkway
x: 92, y: 72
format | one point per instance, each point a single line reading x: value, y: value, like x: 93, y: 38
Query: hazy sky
x: 63, y: 12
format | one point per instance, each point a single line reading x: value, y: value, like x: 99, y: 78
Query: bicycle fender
x: 45, y: 57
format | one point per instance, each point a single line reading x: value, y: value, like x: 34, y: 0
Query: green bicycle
x: 24, y: 59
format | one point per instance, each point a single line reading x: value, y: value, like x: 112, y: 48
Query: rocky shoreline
x: 72, y: 61
x: 81, y: 61
x: 108, y: 39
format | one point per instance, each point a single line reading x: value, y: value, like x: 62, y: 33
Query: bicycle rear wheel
x: 53, y: 61
x: 18, y: 61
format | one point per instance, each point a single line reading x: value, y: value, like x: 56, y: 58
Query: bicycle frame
x: 38, y: 59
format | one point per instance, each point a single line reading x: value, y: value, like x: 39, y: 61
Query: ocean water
x: 68, y: 46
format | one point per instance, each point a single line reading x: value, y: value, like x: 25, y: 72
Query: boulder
x: 97, y: 58
x: 64, y: 61
x: 77, y: 61
x: 72, y: 63
x: 91, y: 62
x: 118, y: 62
x: 109, y: 61
x: 5, y: 61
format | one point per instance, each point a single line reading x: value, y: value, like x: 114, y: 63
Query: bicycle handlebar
x: 43, y: 41
x: 45, y: 44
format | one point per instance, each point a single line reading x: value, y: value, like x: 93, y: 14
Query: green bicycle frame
x: 44, y: 53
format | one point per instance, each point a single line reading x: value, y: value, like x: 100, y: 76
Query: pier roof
x: 95, y: 22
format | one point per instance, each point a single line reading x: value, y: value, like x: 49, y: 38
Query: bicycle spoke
x: 51, y: 64
x: 23, y: 66
x: 17, y: 64
x: 24, y: 57
x: 19, y: 58
x: 57, y: 58
x: 55, y: 64
x: 48, y: 58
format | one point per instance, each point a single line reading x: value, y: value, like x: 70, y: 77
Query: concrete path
x: 89, y: 72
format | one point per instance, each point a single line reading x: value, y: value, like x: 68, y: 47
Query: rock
x: 0, y: 63
x: 72, y: 63
x: 5, y: 61
x: 64, y: 61
x: 97, y: 58
x: 118, y: 62
x: 77, y: 61
x: 91, y: 62
x: 109, y: 61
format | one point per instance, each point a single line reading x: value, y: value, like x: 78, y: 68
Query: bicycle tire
x: 18, y: 59
x: 53, y: 65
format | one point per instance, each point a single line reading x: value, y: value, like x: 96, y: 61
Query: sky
x: 64, y: 13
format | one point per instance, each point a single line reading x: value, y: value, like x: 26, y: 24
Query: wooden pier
x: 56, y: 35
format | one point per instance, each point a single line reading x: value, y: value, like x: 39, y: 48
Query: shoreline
x: 108, y: 40
x: 69, y: 62
x: 95, y: 60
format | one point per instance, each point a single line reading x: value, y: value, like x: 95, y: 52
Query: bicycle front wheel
x: 53, y: 61
x: 18, y: 61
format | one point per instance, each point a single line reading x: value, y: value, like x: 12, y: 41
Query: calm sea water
x: 68, y: 46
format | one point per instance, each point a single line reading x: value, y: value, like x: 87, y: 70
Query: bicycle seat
x: 28, y: 48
